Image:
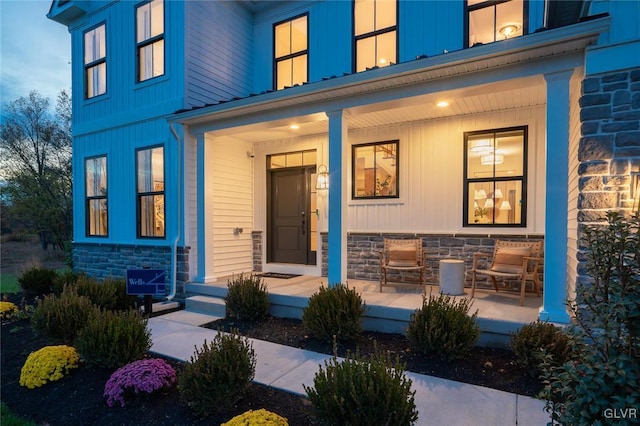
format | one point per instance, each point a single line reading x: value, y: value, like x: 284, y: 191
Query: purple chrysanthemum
x: 146, y: 375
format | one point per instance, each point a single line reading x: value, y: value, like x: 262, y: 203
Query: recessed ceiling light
x: 442, y: 104
x: 294, y: 127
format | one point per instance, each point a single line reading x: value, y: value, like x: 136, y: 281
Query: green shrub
x: 218, y: 375
x: 334, y: 311
x: 534, y: 340
x: 110, y: 294
x: 602, y: 375
x: 112, y: 339
x: 359, y: 391
x: 66, y: 278
x: 444, y: 327
x: 37, y: 281
x: 247, y: 298
x: 62, y: 317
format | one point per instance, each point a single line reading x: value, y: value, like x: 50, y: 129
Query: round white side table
x: 452, y: 277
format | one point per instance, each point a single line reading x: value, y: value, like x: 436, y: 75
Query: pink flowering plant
x: 145, y: 375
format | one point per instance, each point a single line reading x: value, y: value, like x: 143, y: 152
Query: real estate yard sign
x: 144, y: 282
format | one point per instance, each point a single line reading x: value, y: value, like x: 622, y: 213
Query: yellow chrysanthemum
x: 260, y: 417
x: 50, y: 363
x: 7, y: 308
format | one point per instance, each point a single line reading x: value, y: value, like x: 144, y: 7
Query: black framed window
x: 150, y: 39
x: 375, y: 170
x: 95, y: 62
x: 291, y: 52
x: 150, y: 192
x: 494, y: 20
x: 495, y: 177
x: 375, y: 33
x: 96, y: 213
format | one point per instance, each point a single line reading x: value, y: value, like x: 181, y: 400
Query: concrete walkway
x: 439, y: 401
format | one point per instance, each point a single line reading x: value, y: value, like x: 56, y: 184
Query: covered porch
x: 237, y: 156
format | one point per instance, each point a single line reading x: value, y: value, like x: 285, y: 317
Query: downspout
x: 174, y: 251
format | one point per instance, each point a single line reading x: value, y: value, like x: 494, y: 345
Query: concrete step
x: 207, y: 305
x: 205, y: 290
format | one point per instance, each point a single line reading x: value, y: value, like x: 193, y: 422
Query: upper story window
x: 150, y: 39
x: 96, y: 196
x: 375, y: 170
x: 495, y: 177
x: 375, y: 33
x: 291, y: 52
x: 95, y: 61
x: 150, y: 192
x: 494, y: 20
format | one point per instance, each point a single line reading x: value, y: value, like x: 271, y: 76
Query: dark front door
x: 288, y: 232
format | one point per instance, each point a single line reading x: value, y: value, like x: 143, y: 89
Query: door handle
x: 303, y: 224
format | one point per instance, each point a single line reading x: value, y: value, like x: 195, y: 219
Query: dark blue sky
x: 35, y: 52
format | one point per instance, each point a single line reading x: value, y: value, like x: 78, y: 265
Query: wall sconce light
x: 505, y: 205
x: 498, y: 193
x: 491, y: 159
x: 322, y: 182
x: 489, y: 203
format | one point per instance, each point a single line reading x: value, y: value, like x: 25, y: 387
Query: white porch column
x: 203, y: 210
x: 337, y: 235
x: 557, y: 192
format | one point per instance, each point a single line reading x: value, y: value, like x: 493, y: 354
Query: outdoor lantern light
x: 322, y: 182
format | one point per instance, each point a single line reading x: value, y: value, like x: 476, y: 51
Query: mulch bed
x: 78, y: 399
x: 491, y: 367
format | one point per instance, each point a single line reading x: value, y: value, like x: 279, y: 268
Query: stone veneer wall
x: 113, y: 260
x: 364, y: 262
x: 609, y: 149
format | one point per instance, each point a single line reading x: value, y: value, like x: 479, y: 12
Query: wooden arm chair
x: 402, y: 255
x: 511, y: 259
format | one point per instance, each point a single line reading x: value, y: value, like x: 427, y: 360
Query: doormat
x: 279, y: 275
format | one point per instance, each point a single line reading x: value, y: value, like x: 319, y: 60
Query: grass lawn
x: 9, y: 283
x: 8, y: 419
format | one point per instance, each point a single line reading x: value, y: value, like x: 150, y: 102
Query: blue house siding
x: 218, y: 52
x: 429, y: 28
x: 127, y: 100
x: 119, y: 145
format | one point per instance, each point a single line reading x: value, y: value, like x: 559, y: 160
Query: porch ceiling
x: 513, y: 94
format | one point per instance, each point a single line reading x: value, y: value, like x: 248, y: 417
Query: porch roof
x: 352, y: 90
